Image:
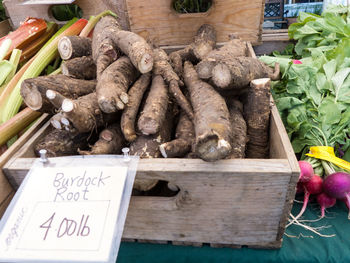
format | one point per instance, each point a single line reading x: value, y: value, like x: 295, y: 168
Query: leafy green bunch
x: 312, y: 31
x: 313, y: 95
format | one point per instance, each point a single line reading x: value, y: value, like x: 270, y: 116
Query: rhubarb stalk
x: 30, y: 29
x: 37, y: 44
x: 14, y: 60
x: 19, y: 122
x: 11, y: 85
x: 41, y: 60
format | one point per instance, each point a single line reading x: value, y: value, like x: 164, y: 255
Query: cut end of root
x: 124, y: 98
x: 148, y: 126
x: 67, y: 105
x: 120, y: 105
x: 212, y: 149
x: 204, y: 69
x: 34, y: 100
x: 207, y: 149
x: 224, y: 145
x: 65, y: 121
x: 50, y: 94
x: 146, y: 63
x: 162, y: 150
x: 64, y: 48
x: 261, y: 82
x: 56, y: 124
x: 107, y: 135
x: 221, y: 76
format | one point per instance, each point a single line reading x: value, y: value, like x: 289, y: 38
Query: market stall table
x: 303, y: 249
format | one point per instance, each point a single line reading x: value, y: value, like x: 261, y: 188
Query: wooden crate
x: 226, y: 203
x: 231, y: 203
x: 158, y: 21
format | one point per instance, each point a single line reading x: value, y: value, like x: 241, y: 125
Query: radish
x: 325, y: 201
x: 306, y: 171
x: 300, y: 188
x: 337, y: 185
x: 313, y: 187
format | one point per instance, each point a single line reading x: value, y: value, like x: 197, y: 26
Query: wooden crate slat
x: 158, y: 21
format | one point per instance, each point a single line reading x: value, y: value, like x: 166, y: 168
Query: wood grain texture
x: 119, y: 7
x: 228, y: 202
x: 281, y: 146
x: 158, y: 21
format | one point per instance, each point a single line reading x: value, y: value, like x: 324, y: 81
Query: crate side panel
x: 158, y: 21
x: 227, y: 208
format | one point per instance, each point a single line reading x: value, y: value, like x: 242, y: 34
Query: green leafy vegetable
x: 313, y: 98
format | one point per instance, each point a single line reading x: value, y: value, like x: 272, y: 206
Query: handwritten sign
x: 66, y: 214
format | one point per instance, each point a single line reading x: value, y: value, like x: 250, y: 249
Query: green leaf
x: 345, y: 63
x: 287, y: 103
x: 336, y: 9
x: 340, y: 52
x: 338, y: 80
x: 330, y: 68
x: 293, y: 28
x: 345, y: 117
x: 329, y: 112
x: 299, y: 47
x: 303, y: 16
x: 305, y: 30
x: 346, y: 156
x: 321, y: 82
x: 284, y: 62
x: 298, y: 145
x: 315, y: 95
x: 344, y: 92
x: 336, y: 22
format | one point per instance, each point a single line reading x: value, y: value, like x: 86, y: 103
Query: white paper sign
x: 65, y: 214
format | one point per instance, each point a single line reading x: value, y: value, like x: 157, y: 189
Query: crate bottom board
x: 271, y: 245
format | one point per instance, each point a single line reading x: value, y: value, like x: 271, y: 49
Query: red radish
x: 306, y: 171
x: 337, y: 185
x: 314, y: 187
x: 300, y: 188
x: 325, y: 201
